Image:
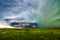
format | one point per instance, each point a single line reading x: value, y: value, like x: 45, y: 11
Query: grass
x: 30, y: 34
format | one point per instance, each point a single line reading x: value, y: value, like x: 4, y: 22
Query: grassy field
x: 30, y: 34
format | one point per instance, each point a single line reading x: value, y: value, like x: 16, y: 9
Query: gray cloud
x: 17, y: 7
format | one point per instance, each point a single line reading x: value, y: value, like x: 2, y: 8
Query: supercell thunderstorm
x: 44, y: 12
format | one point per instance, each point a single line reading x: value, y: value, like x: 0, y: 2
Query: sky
x: 45, y: 12
x: 10, y: 8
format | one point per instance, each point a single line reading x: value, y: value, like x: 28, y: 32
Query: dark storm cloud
x: 4, y: 4
x: 14, y: 7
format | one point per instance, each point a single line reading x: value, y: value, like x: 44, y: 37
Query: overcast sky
x: 14, y: 8
x: 43, y: 11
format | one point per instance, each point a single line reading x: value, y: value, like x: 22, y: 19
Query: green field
x: 30, y: 34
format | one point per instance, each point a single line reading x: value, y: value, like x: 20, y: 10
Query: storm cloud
x: 45, y: 12
x: 17, y: 7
